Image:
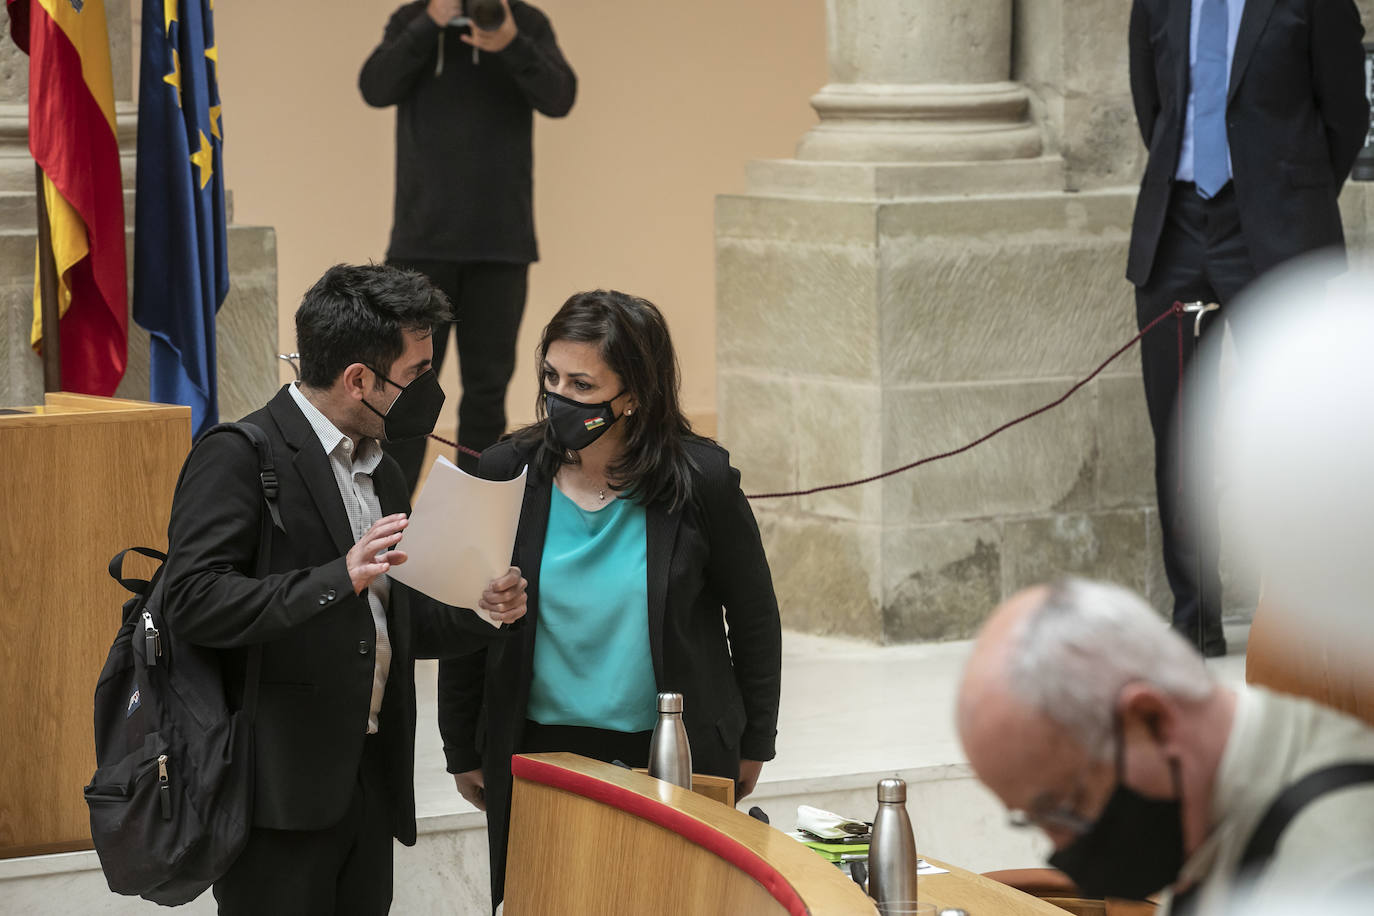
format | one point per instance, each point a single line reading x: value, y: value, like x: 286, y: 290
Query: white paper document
x: 461, y: 534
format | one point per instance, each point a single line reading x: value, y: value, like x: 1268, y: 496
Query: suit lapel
x: 391, y: 499
x: 529, y: 553
x: 1252, y: 23
x: 661, y: 535
x: 312, y: 465
x: 1180, y: 24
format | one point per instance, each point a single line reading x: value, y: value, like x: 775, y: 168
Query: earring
x: 629, y: 411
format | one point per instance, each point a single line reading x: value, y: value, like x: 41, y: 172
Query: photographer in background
x: 464, y: 216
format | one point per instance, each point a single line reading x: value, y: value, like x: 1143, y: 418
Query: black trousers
x: 343, y: 870
x: 1202, y: 256
x: 488, y: 301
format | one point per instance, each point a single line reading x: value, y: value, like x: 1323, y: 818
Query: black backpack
x: 171, y: 800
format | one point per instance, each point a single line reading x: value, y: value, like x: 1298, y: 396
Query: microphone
x: 757, y: 814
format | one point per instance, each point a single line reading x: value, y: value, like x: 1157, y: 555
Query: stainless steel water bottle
x: 670, y: 758
x: 892, y: 852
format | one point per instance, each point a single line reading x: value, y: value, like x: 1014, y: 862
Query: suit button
x: 362, y: 647
x: 331, y: 594
x: 324, y: 599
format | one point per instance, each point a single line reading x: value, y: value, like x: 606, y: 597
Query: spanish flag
x: 72, y: 136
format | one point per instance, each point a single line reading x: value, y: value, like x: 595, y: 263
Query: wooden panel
x: 83, y: 479
x: 573, y: 855
x: 717, y: 788
x: 978, y: 894
x: 594, y: 859
x: 1317, y: 663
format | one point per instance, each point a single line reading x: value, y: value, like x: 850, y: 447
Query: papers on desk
x: 925, y: 868
x: 461, y: 535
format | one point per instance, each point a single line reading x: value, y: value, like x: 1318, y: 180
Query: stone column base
x: 858, y: 335
x: 921, y: 123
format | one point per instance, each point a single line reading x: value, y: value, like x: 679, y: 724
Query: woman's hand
x: 472, y: 787
x: 504, y: 598
x: 749, y: 771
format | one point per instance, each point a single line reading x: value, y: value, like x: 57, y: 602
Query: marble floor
x: 847, y: 708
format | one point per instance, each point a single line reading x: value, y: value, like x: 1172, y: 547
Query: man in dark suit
x: 1253, y: 112
x: 335, y: 728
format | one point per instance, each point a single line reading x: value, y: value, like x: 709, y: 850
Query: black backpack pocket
x: 140, y: 818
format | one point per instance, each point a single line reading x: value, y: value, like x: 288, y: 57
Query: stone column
x: 915, y: 277
x: 937, y: 88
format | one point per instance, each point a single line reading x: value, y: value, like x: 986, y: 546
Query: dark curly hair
x: 357, y: 313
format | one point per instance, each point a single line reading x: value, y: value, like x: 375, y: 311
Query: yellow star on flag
x: 204, y: 159
x: 212, y: 54
x: 174, y: 78
x: 216, y: 112
x: 169, y: 15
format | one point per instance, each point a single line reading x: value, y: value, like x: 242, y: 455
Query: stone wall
x: 870, y: 314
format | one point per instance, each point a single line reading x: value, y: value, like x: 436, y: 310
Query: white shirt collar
x: 369, y: 452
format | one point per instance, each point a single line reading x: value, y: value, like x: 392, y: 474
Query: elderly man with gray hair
x: 1090, y: 719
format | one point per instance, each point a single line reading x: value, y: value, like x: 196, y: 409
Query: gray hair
x: 1088, y: 640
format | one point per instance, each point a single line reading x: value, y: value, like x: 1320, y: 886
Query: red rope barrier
x: 1175, y: 309
x: 462, y: 449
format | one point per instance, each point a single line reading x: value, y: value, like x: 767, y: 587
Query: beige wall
x: 673, y: 100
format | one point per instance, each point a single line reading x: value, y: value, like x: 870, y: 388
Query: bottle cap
x: 670, y: 702
x: 889, y: 790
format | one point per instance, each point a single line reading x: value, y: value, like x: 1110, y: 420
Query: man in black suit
x: 1253, y: 112
x: 335, y: 728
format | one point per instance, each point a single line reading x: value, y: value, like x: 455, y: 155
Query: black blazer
x: 318, y: 636
x: 703, y: 558
x: 1296, y: 117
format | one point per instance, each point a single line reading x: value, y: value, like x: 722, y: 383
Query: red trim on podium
x: 667, y: 817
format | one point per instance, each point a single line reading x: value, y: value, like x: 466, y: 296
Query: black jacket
x: 703, y: 558
x: 463, y: 134
x: 318, y: 635
x: 1296, y: 116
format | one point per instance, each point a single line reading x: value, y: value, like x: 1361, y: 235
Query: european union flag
x: 181, y: 263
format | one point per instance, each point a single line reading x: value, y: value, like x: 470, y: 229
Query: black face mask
x: 576, y: 425
x: 1133, y: 849
x: 415, y: 409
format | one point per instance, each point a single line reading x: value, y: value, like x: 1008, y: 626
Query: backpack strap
x: 137, y: 586
x: 267, y: 477
x: 1292, y: 800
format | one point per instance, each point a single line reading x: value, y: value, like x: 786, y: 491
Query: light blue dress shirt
x: 1234, y: 9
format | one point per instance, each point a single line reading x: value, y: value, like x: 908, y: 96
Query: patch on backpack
x: 135, y: 701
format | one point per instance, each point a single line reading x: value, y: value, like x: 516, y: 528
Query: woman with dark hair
x: 646, y: 574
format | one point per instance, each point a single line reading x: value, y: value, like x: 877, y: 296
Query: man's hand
x: 363, y: 561
x: 497, y: 41
x: 472, y: 787
x: 504, y: 598
x: 749, y: 771
x: 444, y: 11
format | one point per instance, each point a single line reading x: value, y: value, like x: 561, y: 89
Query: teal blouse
x: 592, y: 665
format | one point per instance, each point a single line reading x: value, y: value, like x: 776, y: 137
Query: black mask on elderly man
x: 415, y: 410
x: 1134, y: 848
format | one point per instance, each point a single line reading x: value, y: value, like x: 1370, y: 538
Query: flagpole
x: 47, y: 293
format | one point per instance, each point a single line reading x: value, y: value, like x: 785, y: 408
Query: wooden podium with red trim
x: 590, y: 837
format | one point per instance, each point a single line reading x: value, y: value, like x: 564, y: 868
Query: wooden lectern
x: 84, y: 477
x: 592, y: 838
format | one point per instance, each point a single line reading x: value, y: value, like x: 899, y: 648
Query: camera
x: 487, y: 15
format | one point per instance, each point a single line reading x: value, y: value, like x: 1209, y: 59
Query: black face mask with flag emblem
x: 576, y: 425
